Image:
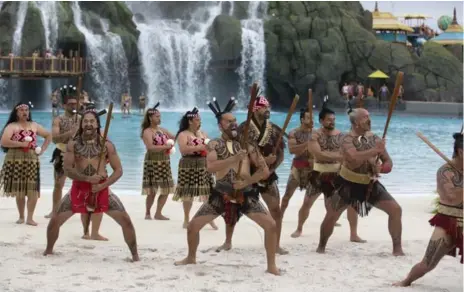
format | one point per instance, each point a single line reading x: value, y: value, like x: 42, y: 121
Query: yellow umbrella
x: 379, y: 75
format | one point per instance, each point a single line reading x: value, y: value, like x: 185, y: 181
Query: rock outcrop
x: 319, y: 45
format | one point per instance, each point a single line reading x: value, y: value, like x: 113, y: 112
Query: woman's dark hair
x: 457, y: 143
x: 14, y: 118
x: 186, y: 118
x: 146, y: 118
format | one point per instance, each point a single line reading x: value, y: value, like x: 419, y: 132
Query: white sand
x: 80, y: 265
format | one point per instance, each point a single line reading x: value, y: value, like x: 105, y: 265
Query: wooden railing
x: 43, y: 67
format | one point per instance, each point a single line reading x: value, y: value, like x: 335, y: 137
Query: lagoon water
x: 415, y: 164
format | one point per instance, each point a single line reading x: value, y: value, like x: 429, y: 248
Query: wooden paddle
x: 287, y: 121
x: 393, y: 99
x: 101, y: 157
x: 434, y: 148
x: 310, y: 106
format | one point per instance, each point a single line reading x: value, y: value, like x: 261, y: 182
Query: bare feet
x: 337, y: 224
x: 135, y: 258
x: 186, y: 261
x: 403, y: 283
x: 47, y: 252
x: 97, y: 237
x: 86, y: 237
x: 357, y: 239
x: 281, y: 251
x: 31, y: 222
x: 20, y: 221
x: 147, y: 217
x: 398, y: 252
x: 185, y: 225
x: 296, y: 234
x: 273, y: 270
x: 225, y: 246
x: 213, y: 225
x: 160, y: 217
x: 320, y: 249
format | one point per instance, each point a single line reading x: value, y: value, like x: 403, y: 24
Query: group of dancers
x: 228, y: 175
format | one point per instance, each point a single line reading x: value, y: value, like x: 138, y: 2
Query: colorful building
x: 453, y: 35
x: 388, y: 28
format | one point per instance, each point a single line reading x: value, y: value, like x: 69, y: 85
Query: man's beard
x: 266, y: 115
x: 232, y: 133
x: 89, y: 132
x: 329, y: 127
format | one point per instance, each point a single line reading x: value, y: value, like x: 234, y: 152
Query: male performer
x: 90, y: 187
x: 64, y: 127
x: 447, y: 235
x: 234, y: 193
x: 263, y: 134
x: 298, y: 140
x: 357, y: 183
x: 325, y: 147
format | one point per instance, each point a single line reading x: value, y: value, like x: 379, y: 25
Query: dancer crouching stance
x: 447, y: 234
x: 224, y: 155
x: 194, y: 181
x: 157, y: 175
x: 81, y: 161
x: 20, y: 174
x: 356, y: 184
x: 263, y: 134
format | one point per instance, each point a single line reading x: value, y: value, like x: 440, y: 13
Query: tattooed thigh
x: 379, y: 193
x: 65, y: 204
x: 336, y: 202
x: 439, y: 245
x: 115, y: 204
x: 206, y: 210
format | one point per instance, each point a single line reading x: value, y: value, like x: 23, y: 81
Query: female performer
x: 194, y: 181
x: 157, y: 173
x: 20, y: 174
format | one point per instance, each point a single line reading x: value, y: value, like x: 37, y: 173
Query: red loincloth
x: 81, y: 197
x: 300, y: 163
x: 449, y: 224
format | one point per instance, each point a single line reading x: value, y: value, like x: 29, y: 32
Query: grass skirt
x: 194, y: 182
x: 20, y: 174
x: 157, y: 174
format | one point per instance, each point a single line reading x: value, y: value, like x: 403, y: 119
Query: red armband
x: 386, y: 168
x: 203, y: 153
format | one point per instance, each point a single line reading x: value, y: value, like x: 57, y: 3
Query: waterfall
x: 16, y: 50
x: 49, y: 17
x: 109, y: 62
x: 253, y: 52
x: 175, y: 56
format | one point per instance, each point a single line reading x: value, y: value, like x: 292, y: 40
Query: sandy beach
x: 80, y: 265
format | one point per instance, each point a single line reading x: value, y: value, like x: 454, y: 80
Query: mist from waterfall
x: 49, y: 16
x: 108, y: 61
x: 16, y: 50
x: 175, y: 56
x: 253, y: 53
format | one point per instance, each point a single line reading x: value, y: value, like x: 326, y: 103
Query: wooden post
x: 79, y: 86
x: 11, y: 64
x: 65, y: 65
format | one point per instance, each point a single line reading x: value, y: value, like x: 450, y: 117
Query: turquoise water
x: 415, y: 164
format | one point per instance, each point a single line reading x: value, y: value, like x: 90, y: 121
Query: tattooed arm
x: 115, y: 164
x: 387, y: 163
x: 351, y: 154
x: 449, y: 185
x: 293, y: 146
x: 262, y: 170
x: 315, y: 149
x: 69, y: 161
x: 214, y: 165
x: 56, y: 136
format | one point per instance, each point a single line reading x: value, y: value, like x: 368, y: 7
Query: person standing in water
x: 20, y: 174
x: 194, y: 181
x: 157, y: 174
